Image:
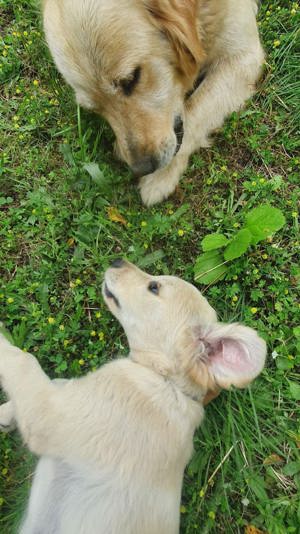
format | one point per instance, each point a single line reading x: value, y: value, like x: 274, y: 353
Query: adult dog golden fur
x: 136, y: 63
x: 114, y: 444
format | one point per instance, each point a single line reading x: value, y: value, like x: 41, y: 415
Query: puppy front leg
x: 7, y: 417
x: 30, y: 391
x: 57, y: 420
x: 7, y: 413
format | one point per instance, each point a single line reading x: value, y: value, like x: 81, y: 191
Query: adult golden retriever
x: 139, y: 64
x: 114, y: 444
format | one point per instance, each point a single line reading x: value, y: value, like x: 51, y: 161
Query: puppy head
x: 132, y: 61
x: 172, y: 328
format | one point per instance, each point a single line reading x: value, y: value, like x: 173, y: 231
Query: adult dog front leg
x: 228, y: 84
x: 226, y: 87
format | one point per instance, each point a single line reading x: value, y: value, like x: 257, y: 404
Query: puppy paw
x: 156, y: 187
x: 7, y: 420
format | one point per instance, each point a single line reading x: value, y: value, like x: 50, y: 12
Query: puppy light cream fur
x: 114, y: 444
x: 135, y: 61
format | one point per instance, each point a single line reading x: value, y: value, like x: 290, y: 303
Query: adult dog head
x: 172, y: 329
x: 132, y: 61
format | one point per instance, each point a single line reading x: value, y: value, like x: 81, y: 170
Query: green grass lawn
x: 63, y: 220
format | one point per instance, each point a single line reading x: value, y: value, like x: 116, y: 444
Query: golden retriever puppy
x: 114, y: 443
x: 164, y: 73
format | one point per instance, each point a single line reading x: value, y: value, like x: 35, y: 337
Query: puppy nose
x: 179, y: 131
x: 116, y: 264
x: 145, y: 165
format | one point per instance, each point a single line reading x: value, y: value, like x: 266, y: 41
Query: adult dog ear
x: 226, y: 355
x: 177, y: 19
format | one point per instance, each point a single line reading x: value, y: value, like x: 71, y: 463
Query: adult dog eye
x: 128, y: 84
x: 154, y: 287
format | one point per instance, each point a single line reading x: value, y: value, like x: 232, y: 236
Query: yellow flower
x: 101, y: 336
x: 234, y: 298
x: 201, y: 493
x: 170, y: 212
x: 81, y: 361
x: 253, y: 310
x: 78, y: 282
x: 51, y: 320
x: 98, y: 315
x: 211, y: 515
x: 36, y: 83
x: 182, y: 509
x: 294, y: 214
x: 276, y: 43
x: 180, y: 232
x: 265, y: 256
x: 4, y: 53
x: 236, y: 225
x: 25, y: 33
x: 66, y: 342
x: 10, y: 300
x: 93, y: 333
x: 61, y: 327
x: 143, y: 223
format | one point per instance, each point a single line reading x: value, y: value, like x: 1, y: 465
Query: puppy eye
x: 129, y: 84
x: 154, y: 287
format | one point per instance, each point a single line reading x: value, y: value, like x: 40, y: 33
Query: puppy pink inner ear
x: 232, y: 355
x: 235, y: 361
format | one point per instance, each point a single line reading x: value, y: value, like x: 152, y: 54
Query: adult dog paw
x: 156, y: 187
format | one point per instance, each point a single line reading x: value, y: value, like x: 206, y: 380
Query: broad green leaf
x: 257, y: 484
x: 6, y: 333
x: 95, y: 172
x: 296, y: 331
x: 294, y: 390
x: 151, y: 258
x: 238, y: 245
x: 291, y: 468
x: 213, y: 241
x: 209, y: 267
x: 264, y: 221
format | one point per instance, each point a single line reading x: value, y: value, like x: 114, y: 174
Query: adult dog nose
x: 145, y: 165
x: 119, y: 262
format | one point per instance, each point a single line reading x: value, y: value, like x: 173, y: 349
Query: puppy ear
x: 228, y: 354
x: 177, y: 19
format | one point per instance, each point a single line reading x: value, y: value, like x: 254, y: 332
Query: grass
x: 67, y: 209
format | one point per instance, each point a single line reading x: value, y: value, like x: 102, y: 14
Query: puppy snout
x: 118, y: 263
x: 179, y: 131
x: 146, y: 165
